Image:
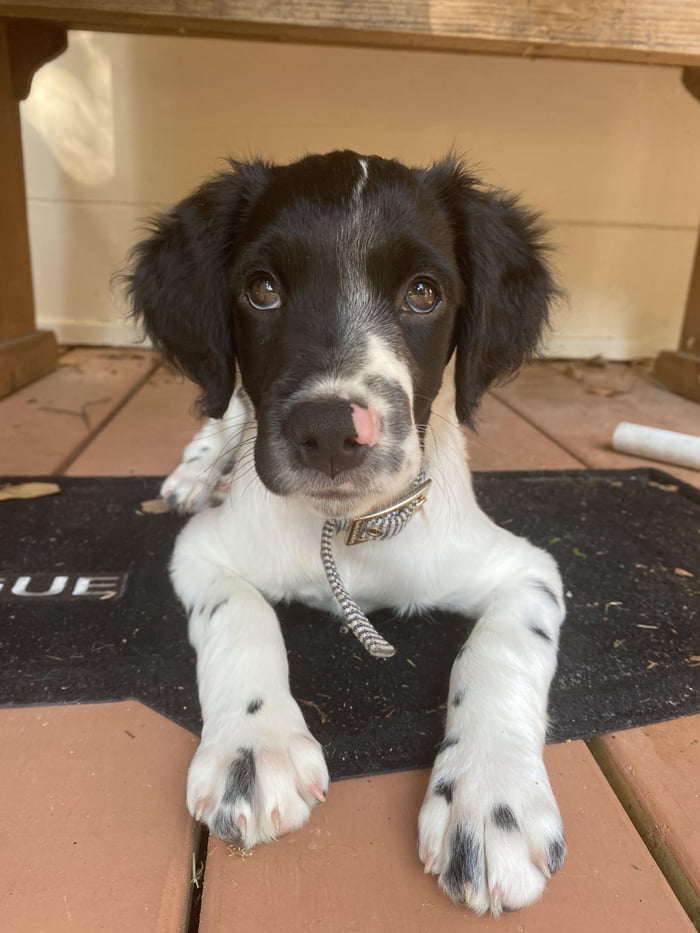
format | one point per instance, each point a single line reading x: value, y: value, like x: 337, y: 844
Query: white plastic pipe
x: 668, y: 446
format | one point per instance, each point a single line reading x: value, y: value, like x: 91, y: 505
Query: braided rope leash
x: 378, y: 526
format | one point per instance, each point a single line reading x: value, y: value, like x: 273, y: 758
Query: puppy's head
x: 340, y: 286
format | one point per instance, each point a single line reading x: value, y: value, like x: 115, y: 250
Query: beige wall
x: 122, y: 125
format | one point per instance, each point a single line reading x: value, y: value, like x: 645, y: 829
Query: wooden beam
x: 31, y: 45
x: 679, y: 372
x: 691, y: 81
x: 690, y: 332
x: 25, y: 353
x: 633, y: 30
x: 25, y: 359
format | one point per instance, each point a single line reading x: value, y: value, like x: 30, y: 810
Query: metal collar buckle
x: 375, y: 525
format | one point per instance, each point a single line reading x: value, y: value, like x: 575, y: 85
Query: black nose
x: 324, y: 436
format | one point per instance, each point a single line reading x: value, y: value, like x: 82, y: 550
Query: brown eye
x: 263, y: 294
x: 421, y: 296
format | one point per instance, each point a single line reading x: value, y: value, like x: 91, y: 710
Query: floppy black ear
x: 508, y: 286
x: 179, y: 283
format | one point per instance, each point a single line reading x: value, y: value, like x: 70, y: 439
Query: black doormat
x: 108, y: 626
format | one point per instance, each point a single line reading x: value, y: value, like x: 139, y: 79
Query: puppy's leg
x: 258, y: 771
x: 206, y: 461
x: 489, y: 826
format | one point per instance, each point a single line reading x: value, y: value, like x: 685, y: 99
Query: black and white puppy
x: 340, y: 287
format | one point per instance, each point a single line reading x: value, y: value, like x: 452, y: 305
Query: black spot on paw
x: 458, y: 698
x: 464, y: 866
x: 240, y: 784
x: 240, y: 781
x: 255, y: 705
x: 540, y: 632
x: 444, y: 788
x: 548, y: 591
x: 218, y: 606
x: 556, y: 854
x: 509, y: 910
x: 504, y: 818
x: 224, y: 826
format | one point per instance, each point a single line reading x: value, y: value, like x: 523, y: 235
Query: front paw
x: 490, y: 828
x: 191, y: 487
x: 259, y: 789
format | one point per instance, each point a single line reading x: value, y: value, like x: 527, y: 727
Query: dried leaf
x: 598, y: 361
x: 29, y: 491
x: 604, y: 390
x: 572, y: 372
x: 679, y: 572
x: 665, y: 487
x: 651, y: 665
x: 317, y: 709
x: 693, y: 660
x: 154, y: 507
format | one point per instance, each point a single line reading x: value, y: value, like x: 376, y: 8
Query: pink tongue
x: 366, y: 425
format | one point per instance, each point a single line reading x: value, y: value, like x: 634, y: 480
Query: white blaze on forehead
x: 362, y: 181
x: 354, y: 238
x: 358, y: 299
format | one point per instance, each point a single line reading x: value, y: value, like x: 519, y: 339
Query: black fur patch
x: 444, y: 788
x: 217, y: 607
x: 458, y: 697
x: 548, y: 592
x: 540, y: 632
x: 504, y: 818
x: 255, y: 705
x: 464, y: 866
x: 241, y: 777
x: 240, y: 784
x: 173, y: 504
x: 556, y: 854
x: 448, y: 742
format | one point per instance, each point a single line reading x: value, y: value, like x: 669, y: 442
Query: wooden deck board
x: 655, y: 772
x: 92, y: 801
x: 354, y: 867
x: 147, y: 436
x: 45, y: 423
x: 572, y: 413
x: 505, y: 441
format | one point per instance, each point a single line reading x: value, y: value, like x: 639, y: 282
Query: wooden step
x: 354, y: 867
